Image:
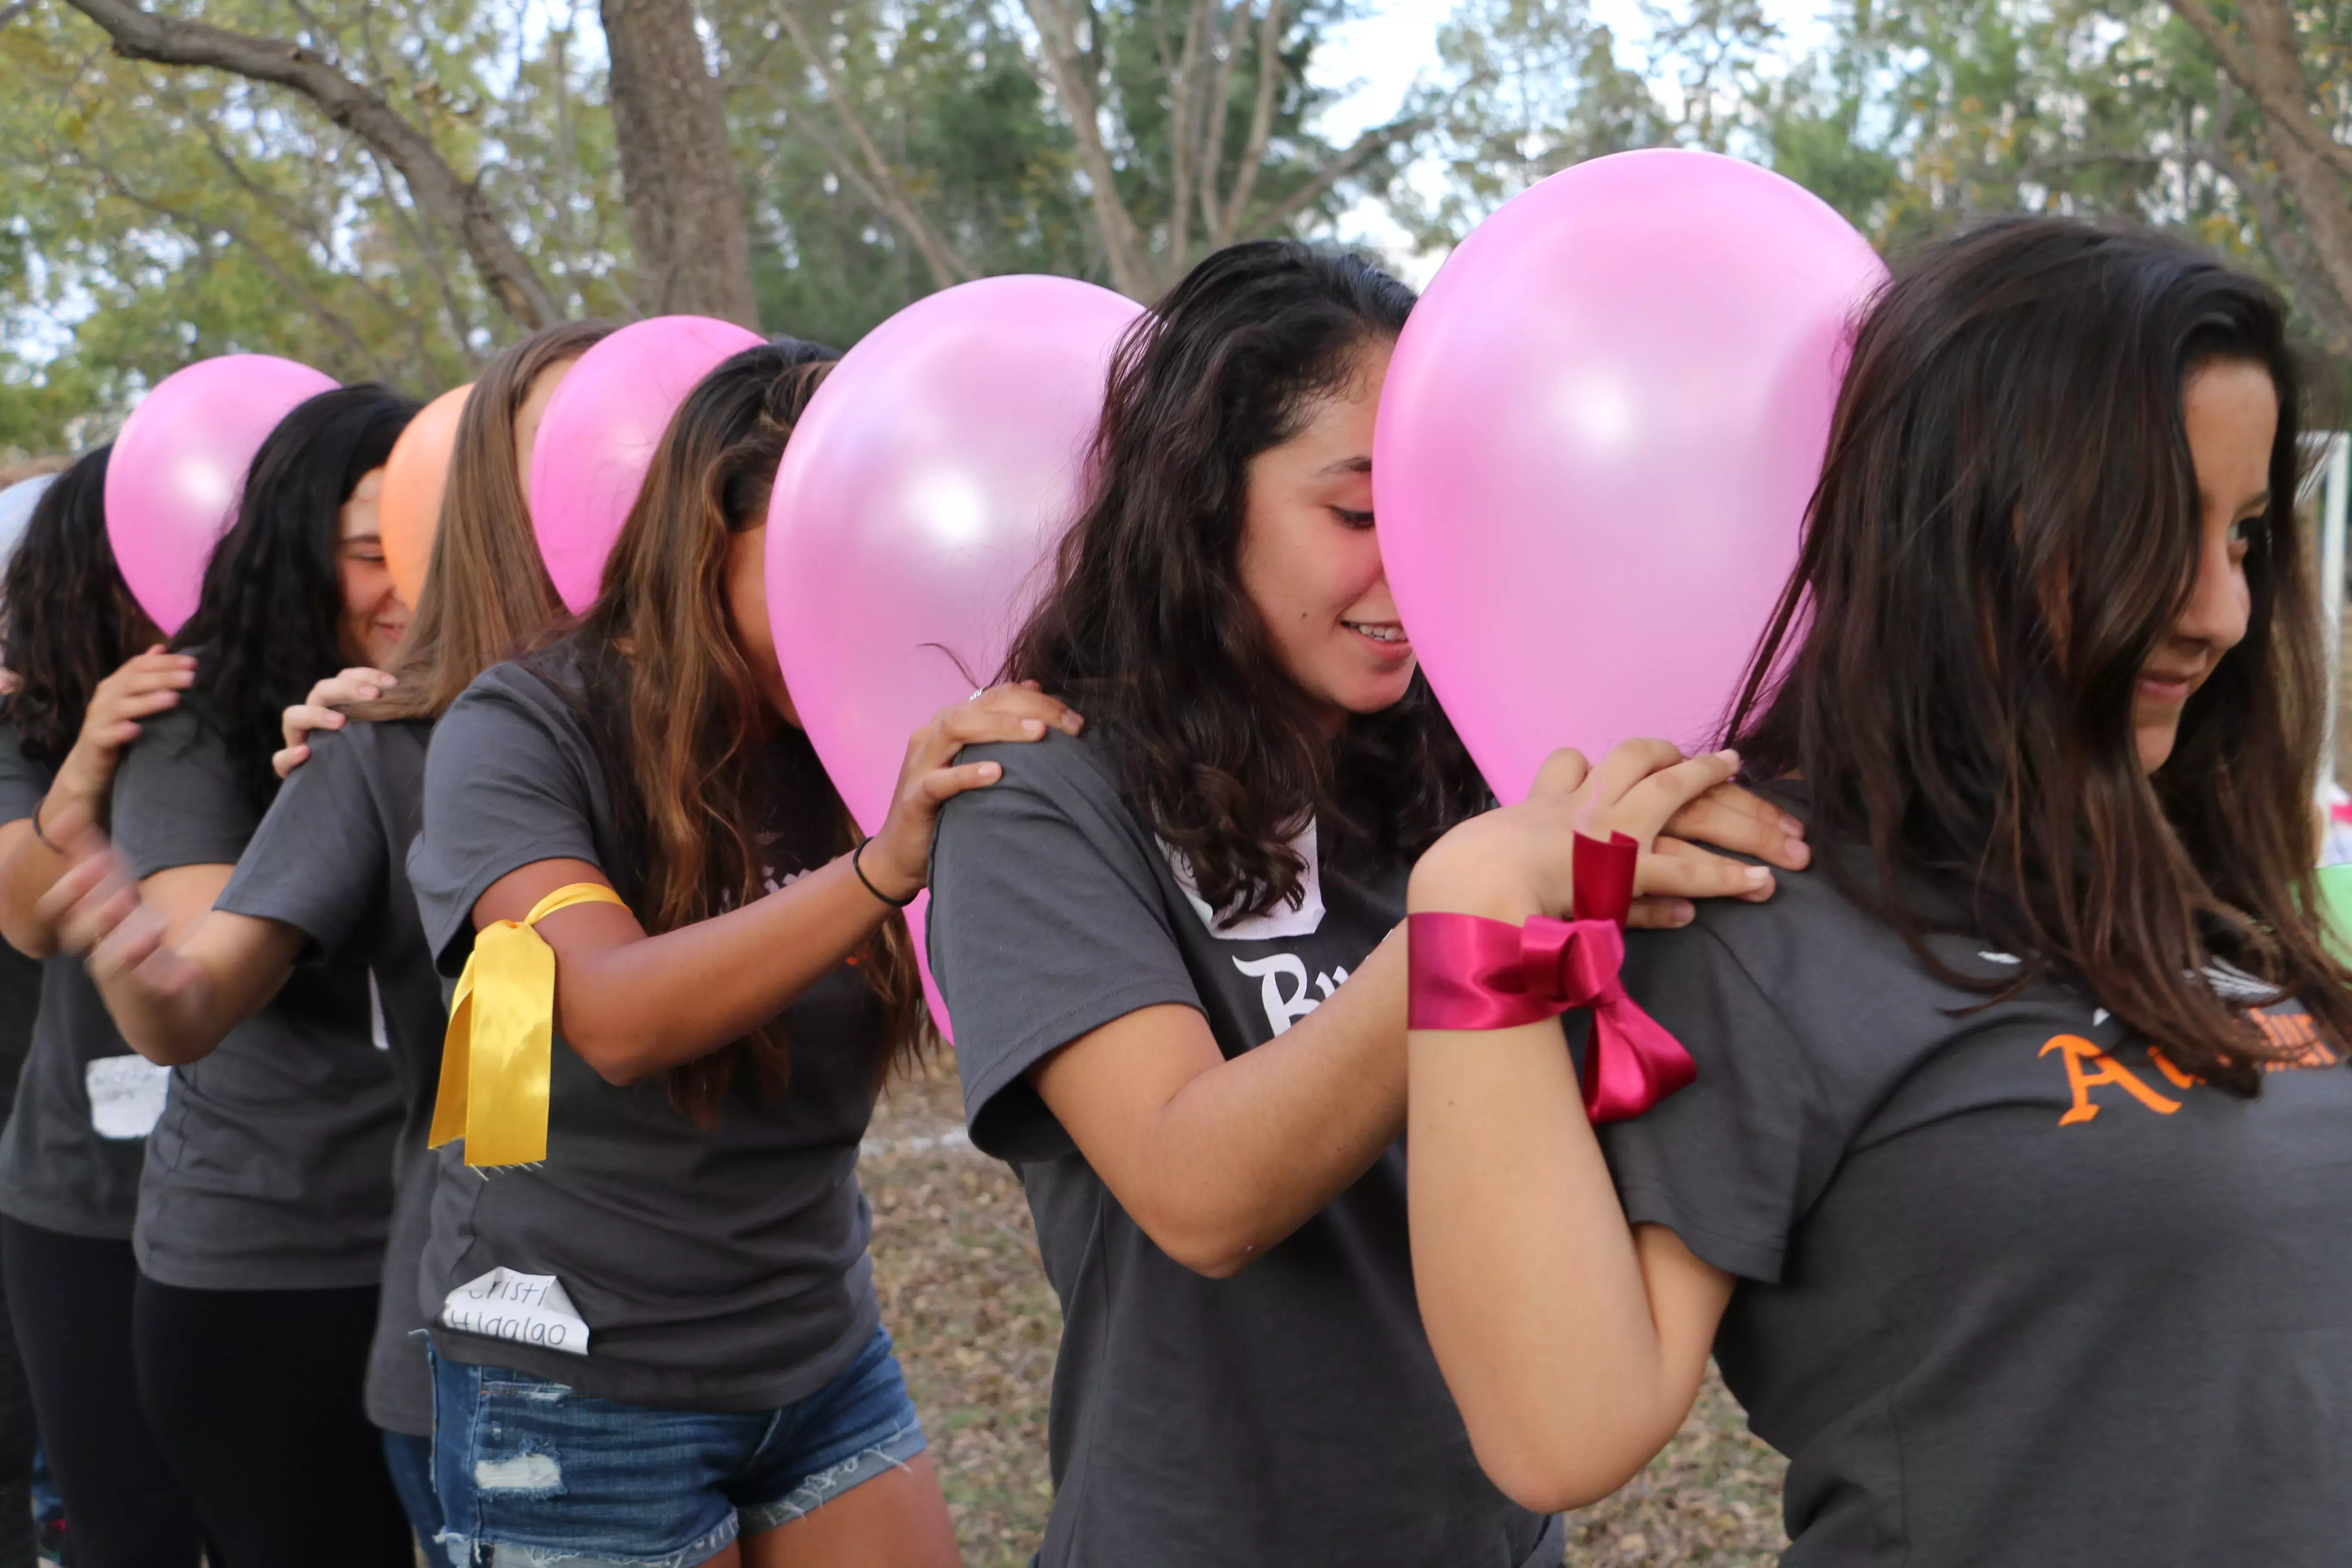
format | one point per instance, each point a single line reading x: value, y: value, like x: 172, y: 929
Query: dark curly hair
x: 2005, y: 532
x: 1146, y: 627
x: 67, y: 618
x: 269, y: 620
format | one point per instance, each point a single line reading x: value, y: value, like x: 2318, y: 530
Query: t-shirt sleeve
x: 317, y: 860
x: 177, y: 800
x: 500, y: 793
x: 23, y: 783
x: 1730, y: 1163
x: 1046, y: 921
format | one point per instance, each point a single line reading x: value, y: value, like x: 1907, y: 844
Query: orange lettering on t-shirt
x: 2087, y: 1068
x: 2298, y: 1037
x: 2177, y: 1079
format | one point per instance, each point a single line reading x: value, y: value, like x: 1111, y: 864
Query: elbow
x: 1546, y: 1467
x: 31, y: 938
x: 25, y: 930
x: 1210, y: 1250
x: 616, y: 1063
x: 170, y: 1054
x: 1545, y: 1488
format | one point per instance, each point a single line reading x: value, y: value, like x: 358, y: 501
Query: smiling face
x: 374, y: 616
x: 2230, y: 411
x: 1310, y: 562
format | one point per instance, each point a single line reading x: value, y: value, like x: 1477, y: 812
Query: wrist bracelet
x: 40, y: 836
x: 1468, y: 972
x: 857, y: 864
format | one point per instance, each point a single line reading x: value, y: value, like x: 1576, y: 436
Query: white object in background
x: 17, y: 504
x: 126, y: 1095
x: 2336, y: 825
x: 2333, y: 476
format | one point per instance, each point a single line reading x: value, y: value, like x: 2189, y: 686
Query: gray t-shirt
x: 718, y: 1271
x: 272, y: 1168
x: 331, y: 861
x: 2012, y: 1289
x: 70, y: 1163
x: 1294, y: 1413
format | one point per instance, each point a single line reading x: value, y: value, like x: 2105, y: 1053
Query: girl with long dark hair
x: 267, y: 1195
x: 70, y: 635
x: 1166, y: 952
x: 2007, y: 1193
x: 656, y: 1339
x: 324, y: 874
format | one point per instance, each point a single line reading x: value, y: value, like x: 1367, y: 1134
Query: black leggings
x: 16, y: 1444
x: 69, y: 1297
x: 255, y: 1395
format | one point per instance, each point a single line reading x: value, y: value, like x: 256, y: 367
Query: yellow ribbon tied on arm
x: 500, y: 1046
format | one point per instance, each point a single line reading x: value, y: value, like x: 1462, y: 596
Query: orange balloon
x: 415, y: 477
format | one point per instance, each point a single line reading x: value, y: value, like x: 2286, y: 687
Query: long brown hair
x: 486, y: 595
x: 2006, y: 530
x: 680, y: 721
x: 1148, y: 630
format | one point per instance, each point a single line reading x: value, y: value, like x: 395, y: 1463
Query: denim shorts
x: 532, y: 1475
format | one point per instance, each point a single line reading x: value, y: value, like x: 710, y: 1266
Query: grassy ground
x: 956, y: 1263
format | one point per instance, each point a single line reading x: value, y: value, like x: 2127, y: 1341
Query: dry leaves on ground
x: 955, y: 1261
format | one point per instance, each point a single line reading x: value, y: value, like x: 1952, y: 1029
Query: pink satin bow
x: 1470, y: 973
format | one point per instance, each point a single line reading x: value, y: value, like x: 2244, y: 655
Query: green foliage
x: 163, y: 216
x: 159, y: 215
x: 945, y: 89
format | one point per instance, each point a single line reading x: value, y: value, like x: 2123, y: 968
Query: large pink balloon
x: 1596, y: 442
x: 179, y: 466
x: 597, y: 439
x: 917, y: 504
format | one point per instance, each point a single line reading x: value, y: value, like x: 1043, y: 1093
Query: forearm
x: 177, y: 1002
x: 1245, y: 1152
x: 167, y: 1029
x: 29, y: 868
x: 1531, y: 1285
x: 639, y: 1007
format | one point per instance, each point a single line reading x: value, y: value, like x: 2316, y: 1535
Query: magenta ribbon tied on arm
x: 1470, y: 973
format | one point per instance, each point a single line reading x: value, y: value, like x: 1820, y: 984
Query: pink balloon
x: 597, y: 439
x: 179, y: 466
x: 1597, y: 441
x: 918, y: 501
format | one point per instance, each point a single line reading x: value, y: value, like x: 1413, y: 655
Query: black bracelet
x: 41, y: 836
x: 857, y: 865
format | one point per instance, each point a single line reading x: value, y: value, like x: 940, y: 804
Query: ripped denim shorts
x: 532, y: 1475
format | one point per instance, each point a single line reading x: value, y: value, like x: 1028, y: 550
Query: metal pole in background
x: 2335, y: 502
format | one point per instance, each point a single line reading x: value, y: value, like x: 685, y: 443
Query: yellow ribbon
x: 500, y: 1049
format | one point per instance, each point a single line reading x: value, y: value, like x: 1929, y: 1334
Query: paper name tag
x: 126, y: 1095
x: 529, y: 1309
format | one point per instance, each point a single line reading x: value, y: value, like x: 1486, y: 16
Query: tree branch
x: 1123, y: 247
x: 453, y: 202
x: 1269, y: 81
x: 2272, y: 74
x: 1186, y: 130
x: 334, y: 321
x: 2314, y: 289
x: 1333, y: 172
x: 879, y: 181
x: 1212, y: 149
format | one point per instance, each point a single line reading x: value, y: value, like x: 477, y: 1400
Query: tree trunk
x: 2317, y: 170
x: 678, y: 171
